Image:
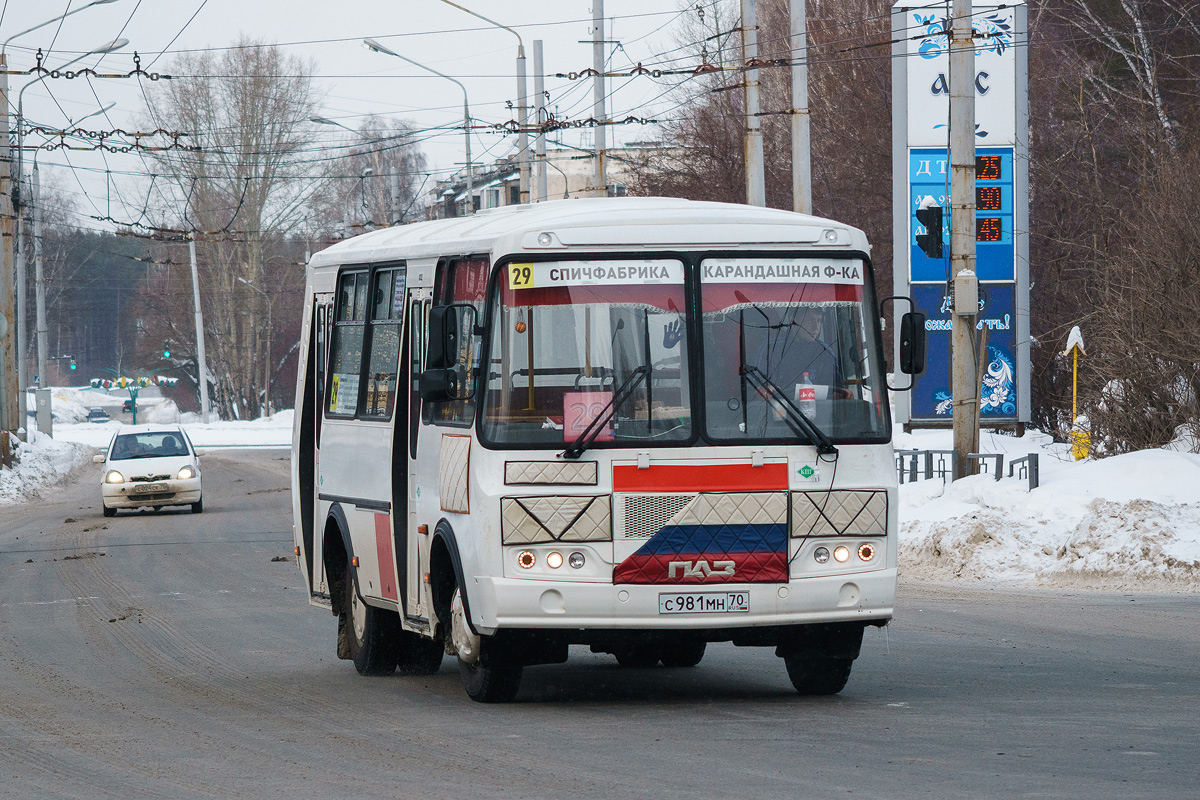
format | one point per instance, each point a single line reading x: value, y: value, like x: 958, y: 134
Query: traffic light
x: 166, y: 351
x: 72, y: 363
x: 930, y: 215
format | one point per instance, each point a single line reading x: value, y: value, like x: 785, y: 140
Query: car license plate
x: 704, y: 603
x: 149, y: 488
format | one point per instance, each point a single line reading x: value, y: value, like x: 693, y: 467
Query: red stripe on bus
x: 383, y: 546
x: 696, y: 478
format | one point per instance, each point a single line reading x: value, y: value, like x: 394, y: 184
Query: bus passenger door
x: 418, y: 544
x: 322, y: 319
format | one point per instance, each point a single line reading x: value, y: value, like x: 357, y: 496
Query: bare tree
x: 244, y: 191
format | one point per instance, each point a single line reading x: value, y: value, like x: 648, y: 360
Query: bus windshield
x: 582, y: 342
x: 787, y: 337
x: 598, y: 354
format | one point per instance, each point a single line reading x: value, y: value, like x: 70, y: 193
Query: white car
x: 150, y: 465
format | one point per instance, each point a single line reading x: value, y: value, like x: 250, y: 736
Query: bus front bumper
x: 551, y: 605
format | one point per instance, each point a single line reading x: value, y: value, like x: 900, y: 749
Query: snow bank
x: 44, y: 463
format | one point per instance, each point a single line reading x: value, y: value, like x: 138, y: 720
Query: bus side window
x: 387, y: 309
x: 349, y: 328
x: 416, y: 346
x: 461, y: 280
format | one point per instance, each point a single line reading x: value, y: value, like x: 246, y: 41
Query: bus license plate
x: 149, y: 488
x: 704, y: 603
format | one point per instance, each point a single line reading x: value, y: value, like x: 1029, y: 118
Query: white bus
x: 637, y: 424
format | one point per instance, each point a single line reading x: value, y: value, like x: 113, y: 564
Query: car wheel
x: 816, y: 675
x: 197, y: 506
x: 370, y: 633
x: 683, y: 654
x: 158, y: 508
x: 488, y: 674
x: 109, y: 512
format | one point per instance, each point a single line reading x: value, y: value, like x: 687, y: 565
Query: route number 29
x: 579, y: 409
x: 520, y: 276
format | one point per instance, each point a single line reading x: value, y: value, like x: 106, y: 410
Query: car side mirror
x: 98, y: 459
x: 913, y: 343
x: 448, y: 361
x: 201, y: 453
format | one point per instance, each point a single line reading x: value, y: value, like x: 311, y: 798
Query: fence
x: 914, y: 465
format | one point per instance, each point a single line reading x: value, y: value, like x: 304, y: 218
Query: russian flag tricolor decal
x: 726, y: 537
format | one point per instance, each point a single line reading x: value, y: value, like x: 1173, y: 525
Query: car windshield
x: 591, y: 353
x: 782, y: 336
x: 148, y: 445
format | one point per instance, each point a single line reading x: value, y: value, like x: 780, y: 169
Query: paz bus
x: 640, y: 425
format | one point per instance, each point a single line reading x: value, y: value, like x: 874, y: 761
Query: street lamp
x: 371, y: 44
x: 10, y: 411
x: 328, y: 121
x: 267, y: 358
x: 108, y: 47
x: 522, y: 104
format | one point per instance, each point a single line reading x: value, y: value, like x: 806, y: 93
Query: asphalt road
x: 173, y: 655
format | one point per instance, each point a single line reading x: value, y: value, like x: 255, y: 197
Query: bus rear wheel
x: 488, y: 674
x: 818, y: 675
x: 369, y: 633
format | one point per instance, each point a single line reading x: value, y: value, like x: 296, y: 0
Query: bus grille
x: 640, y: 516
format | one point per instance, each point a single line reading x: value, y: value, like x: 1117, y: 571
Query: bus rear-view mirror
x: 913, y: 339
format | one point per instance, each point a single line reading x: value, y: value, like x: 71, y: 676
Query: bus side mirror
x: 913, y: 340
x: 448, y: 360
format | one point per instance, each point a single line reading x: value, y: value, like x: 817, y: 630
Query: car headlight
x: 112, y: 476
x: 186, y: 472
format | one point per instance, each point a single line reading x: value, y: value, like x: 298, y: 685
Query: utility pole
x: 19, y: 206
x: 394, y: 197
x: 201, y: 364
x: 10, y: 410
x: 539, y: 147
x: 598, y: 95
x: 965, y: 377
x: 756, y: 187
x: 801, y: 158
x: 39, y: 276
x: 523, y: 118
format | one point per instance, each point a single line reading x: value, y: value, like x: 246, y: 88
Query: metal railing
x: 914, y: 465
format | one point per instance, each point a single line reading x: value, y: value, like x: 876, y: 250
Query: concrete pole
x: 39, y: 277
x: 756, y: 187
x: 539, y: 90
x: 964, y: 370
x: 201, y: 363
x: 10, y: 410
x: 523, y: 118
x: 801, y: 158
x: 22, y: 284
x: 598, y: 112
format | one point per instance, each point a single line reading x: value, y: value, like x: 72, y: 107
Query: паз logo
x: 699, y: 569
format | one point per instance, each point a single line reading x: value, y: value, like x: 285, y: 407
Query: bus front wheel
x: 488, y: 674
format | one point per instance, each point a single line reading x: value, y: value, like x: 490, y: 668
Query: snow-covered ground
x: 1129, y: 522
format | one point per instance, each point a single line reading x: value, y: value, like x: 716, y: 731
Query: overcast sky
x: 355, y: 81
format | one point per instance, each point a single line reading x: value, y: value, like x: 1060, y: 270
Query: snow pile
x: 44, y: 463
x: 1130, y: 520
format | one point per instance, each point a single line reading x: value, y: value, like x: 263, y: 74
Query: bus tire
x: 416, y: 655
x: 818, y: 675
x: 489, y: 675
x: 683, y: 654
x: 369, y: 633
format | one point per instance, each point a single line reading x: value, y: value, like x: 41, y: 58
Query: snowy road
x: 172, y: 656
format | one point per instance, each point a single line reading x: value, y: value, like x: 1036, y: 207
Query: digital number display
x: 987, y: 229
x: 987, y: 198
x: 987, y: 168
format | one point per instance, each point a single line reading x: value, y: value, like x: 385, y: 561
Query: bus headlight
x: 114, y: 477
x: 866, y: 551
x: 821, y: 555
x: 841, y: 554
x: 526, y: 559
x: 576, y: 560
x: 554, y: 560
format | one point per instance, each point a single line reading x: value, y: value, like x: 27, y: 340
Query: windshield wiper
x: 584, y: 440
x: 797, y: 418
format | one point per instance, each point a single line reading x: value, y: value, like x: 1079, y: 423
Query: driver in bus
x: 797, y: 347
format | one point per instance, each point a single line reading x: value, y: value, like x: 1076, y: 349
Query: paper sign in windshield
x: 580, y: 409
x: 782, y: 270
x: 545, y: 275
